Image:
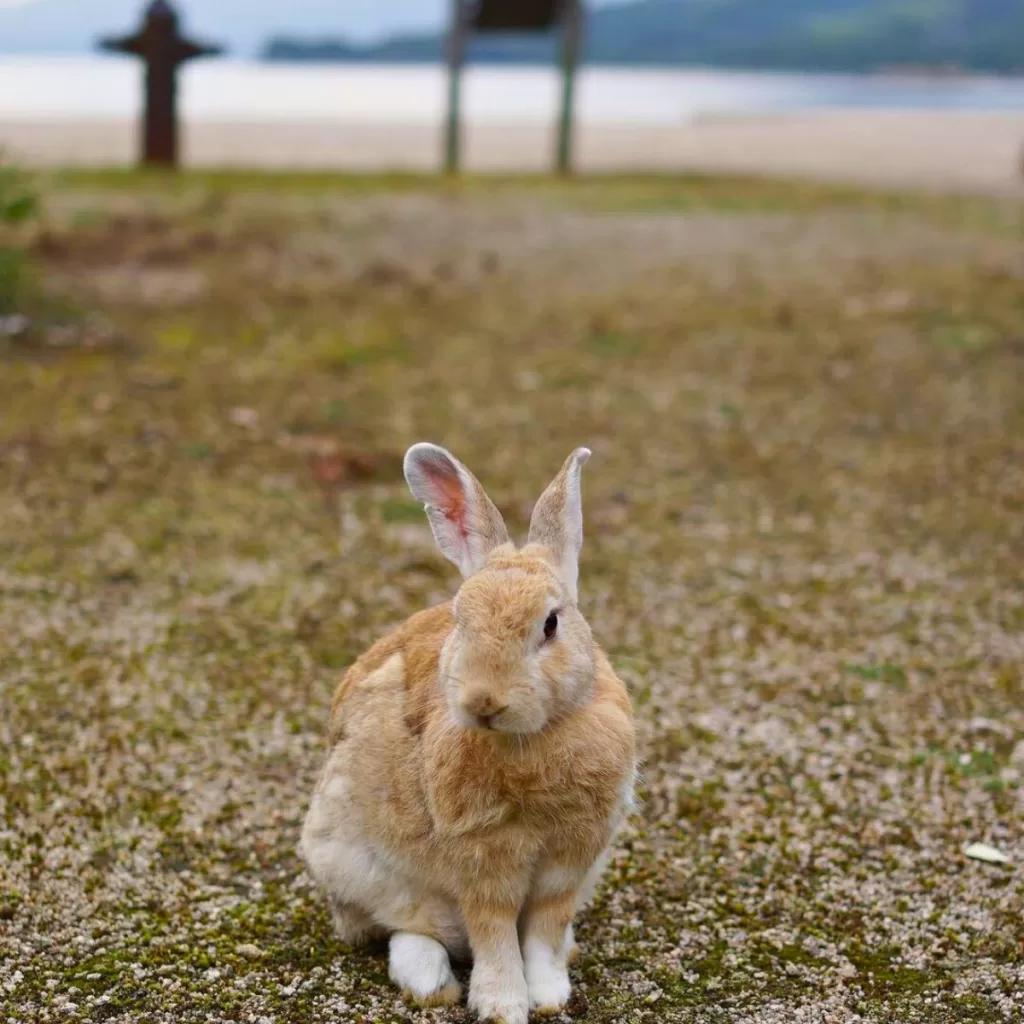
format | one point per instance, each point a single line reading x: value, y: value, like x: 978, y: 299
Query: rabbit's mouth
x: 495, y: 721
x: 489, y: 723
x: 507, y: 720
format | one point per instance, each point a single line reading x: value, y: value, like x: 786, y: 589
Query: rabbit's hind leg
x: 372, y: 895
x: 419, y: 966
x: 352, y: 924
x: 426, y: 927
x: 343, y: 866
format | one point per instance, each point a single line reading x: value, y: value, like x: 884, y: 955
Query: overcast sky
x: 244, y: 25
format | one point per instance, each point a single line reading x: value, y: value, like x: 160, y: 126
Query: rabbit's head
x: 521, y: 654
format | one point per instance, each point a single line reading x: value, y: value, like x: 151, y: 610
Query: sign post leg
x: 572, y: 29
x: 456, y: 58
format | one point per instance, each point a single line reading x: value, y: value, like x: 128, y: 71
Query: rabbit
x: 481, y: 759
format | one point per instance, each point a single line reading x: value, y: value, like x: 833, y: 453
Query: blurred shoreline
x: 964, y: 151
x: 100, y: 86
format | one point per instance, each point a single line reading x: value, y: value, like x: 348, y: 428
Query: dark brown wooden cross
x: 160, y: 44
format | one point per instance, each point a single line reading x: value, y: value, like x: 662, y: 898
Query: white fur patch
x: 419, y: 966
x: 498, y: 992
x: 547, y: 978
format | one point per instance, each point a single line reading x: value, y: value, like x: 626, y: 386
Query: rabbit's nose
x: 483, y: 705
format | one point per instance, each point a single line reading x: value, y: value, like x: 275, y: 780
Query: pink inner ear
x: 448, y: 494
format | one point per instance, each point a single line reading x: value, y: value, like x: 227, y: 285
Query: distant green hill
x: 828, y: 35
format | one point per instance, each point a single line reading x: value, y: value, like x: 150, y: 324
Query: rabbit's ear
x: 557, y: 520
x: 466, y: 525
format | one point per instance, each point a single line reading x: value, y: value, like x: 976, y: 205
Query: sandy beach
x: 957, y: 151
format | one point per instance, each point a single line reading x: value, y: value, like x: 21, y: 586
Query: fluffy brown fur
x: 478, y: 765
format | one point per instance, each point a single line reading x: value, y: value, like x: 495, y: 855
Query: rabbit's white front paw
x: 547, y: 979
x: 499, y: 994
x: 419, y: 966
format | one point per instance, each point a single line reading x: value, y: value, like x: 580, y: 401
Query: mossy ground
x: 805, y: 533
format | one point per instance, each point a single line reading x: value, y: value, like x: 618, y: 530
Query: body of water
x: 95, y: 86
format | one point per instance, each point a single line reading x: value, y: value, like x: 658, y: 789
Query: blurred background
x: 765, y: 259
x: 903, y: 91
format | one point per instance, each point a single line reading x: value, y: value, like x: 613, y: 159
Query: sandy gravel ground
x: 982, y: 152
x: 804, y: 534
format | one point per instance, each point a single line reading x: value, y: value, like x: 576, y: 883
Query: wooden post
x: 572, y: 35
x: 164, y: 49
x: 456, y: 59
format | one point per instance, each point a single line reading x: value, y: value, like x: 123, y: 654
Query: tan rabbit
x: 481, y: 759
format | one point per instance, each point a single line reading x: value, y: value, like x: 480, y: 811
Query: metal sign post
x: 572, y: 37
x: 456, y: 58
x: 487, y: 16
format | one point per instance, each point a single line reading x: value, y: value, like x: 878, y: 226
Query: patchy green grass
x: 804, y: 533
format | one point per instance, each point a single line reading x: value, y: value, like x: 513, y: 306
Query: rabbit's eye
x: 550, y: 625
